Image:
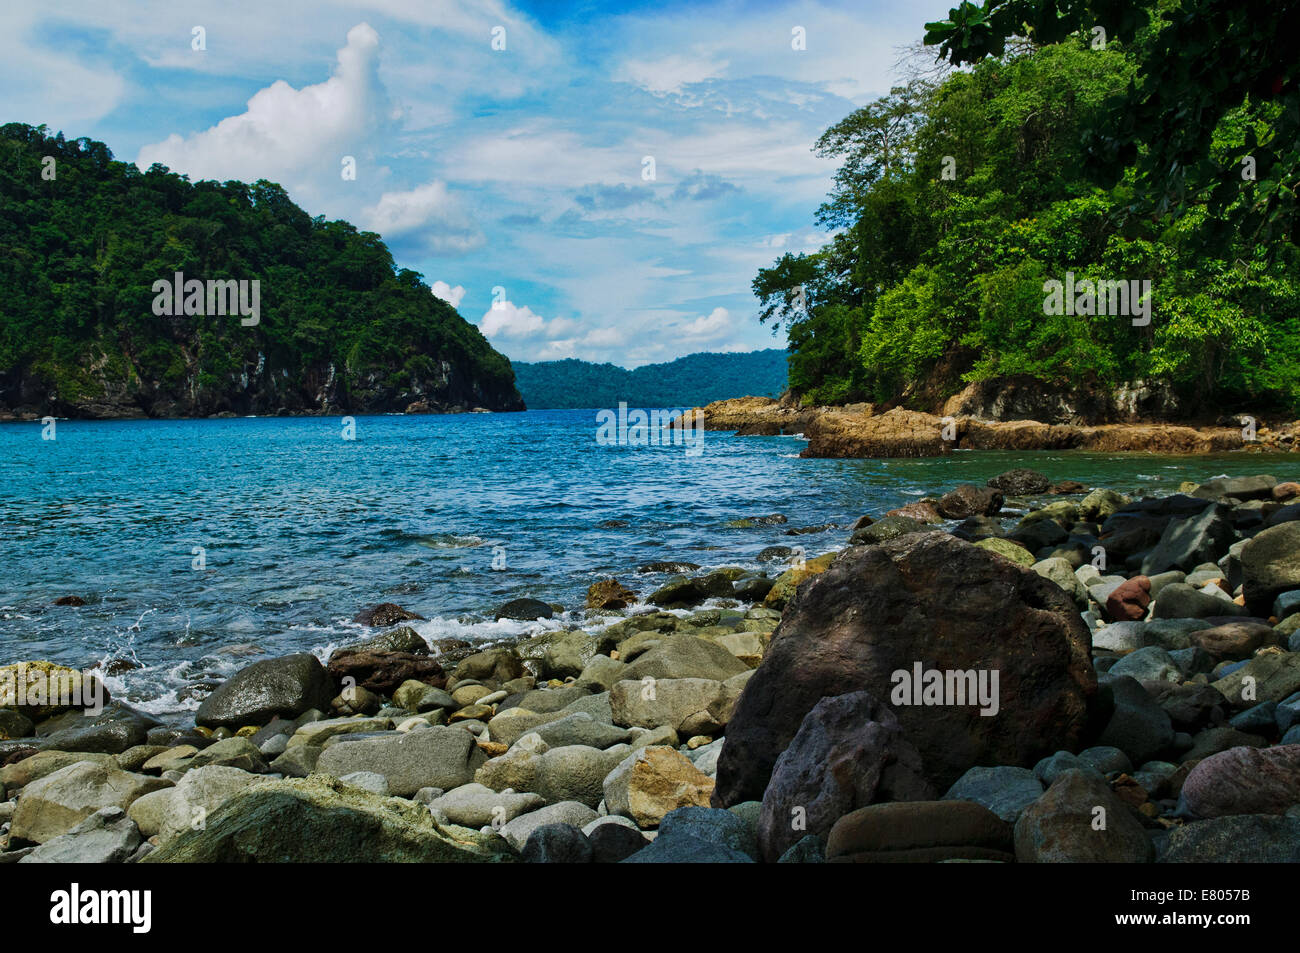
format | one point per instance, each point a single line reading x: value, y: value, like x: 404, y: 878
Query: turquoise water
x: 300, y: 528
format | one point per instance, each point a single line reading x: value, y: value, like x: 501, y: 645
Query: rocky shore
x: 1029, y: 671
x: 862, y: 430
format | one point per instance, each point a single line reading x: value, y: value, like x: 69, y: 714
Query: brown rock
x: 1233, y: 640
x: 383, y: 615
x: 927, y: 511
x: 384, y: 671
x: 609, y: 594
x: 1080, y: 820
x: 919, y: 832
x: 1129, y: 601
x: 970, y: 500
x: 1244, y: 781
x: 929, y: 599
x: 1286, y: 491
x: 653, y: 782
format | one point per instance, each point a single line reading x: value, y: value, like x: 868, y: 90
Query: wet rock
x: 287, y: 687
x: 970, y: 500
x: 609, y: 594
x: 525, y: 610
x: 383, y: 672
x: 383, y: 615
x: 1020, y: 482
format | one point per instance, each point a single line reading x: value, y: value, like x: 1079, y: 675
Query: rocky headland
x: 863, y: 430
x: 980, y: 675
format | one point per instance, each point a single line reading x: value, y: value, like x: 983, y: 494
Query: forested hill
x: 84, y: 238
x: 690, y: 381
x: 1162, y: 158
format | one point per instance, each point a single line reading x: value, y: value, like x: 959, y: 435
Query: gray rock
x: 1006, y: 791
x: 566, y: 812
x: 440, y: 756
x: 580, y: 728
x: 716, y: 825
x: 1149, y: 664
x: 613, y: 843
x: 106, y: 837
x: 1237, y: 839
x: 1181, y: 601
x: 1106, y: 760
x: 60, y: 801
x: 687, y: 850
x: 367, y: 781
x: 474, y: 805
x: 1190, y: 541
x: 297, y: 762
x: 1139, y: 726
x: 112, y: 731
x: 199, y: 794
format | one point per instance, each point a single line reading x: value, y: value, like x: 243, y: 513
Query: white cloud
x: 507, y: 320
x: 55, y: 87
x: 429, y: 215
x: 711, y: 327
x: 671, y: 73
x: 295, y: 136
x: 447, y: 293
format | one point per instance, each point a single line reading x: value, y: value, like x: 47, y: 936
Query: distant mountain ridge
x: 690, y: 381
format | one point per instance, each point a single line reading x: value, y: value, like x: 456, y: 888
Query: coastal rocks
x: 525, y: 610
x: 691, y: 706
x: 382, y: 672
x: 609, y: 594
x: 106, y: 837
x: 323, y: 820
x: 112, y: 731
x: 1180, y: 601
x: 686, y: 656
x: 572, y: 813
x: 383, y: 615
x: 196, y: 796
x: 1101, y: 504
x: 568, y: 773
x: 1128, y: 601
x: 1021, y: 482
x: 567, y: 655
x: 1239, y: 839
x: 1005, y: 791
x: 890, y: 527
x: 1186, y: 543
x: 1138, y: 726
x: 895, y: 433
x: 786, y: 584
x: 557, y: 844
x: 1271, y: 676
x: 14, y: 725
x: 970, y: 500
x: 475, y: 805
x: 652, y: 782
x: 880, y: 610
x: 1007, y: 549
x: 495, y: 665
x: 849, y: 752
x: 1080, y: 820
x: 19, y: 774
x: 286, y: 687
x: 1244, y: 780
x: 925, y: 511
x: 1270, y: 565
x: 58, y: 802
x: 439, y: 756
x: 401, y: 639
x: 1233, y: 640
x: 919, y: 832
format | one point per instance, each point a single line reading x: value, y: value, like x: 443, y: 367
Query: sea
x: 200, y: 546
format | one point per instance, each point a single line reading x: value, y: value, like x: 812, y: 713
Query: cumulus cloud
x: 447, y: 293
x: 288, y: 134
x: 507, y: 320
x: 710, y: 327
x: 428, y: 217
x: 702, y: 186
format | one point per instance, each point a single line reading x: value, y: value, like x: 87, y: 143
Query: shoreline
x: 549, y: 748
x: 858, y: 431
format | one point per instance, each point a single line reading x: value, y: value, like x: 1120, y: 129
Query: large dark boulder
x: 254, y: 695
x: 937, y: 602
x: 1020, y: 482
x: 384, y: 614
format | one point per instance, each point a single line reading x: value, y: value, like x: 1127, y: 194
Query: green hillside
x: 83, y: 239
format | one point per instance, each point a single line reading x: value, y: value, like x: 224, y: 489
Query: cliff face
x: 289, y: 314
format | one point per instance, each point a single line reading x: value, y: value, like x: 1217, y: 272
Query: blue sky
x: 521, y: 169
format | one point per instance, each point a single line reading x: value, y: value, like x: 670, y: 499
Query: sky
x: 589, y: 180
